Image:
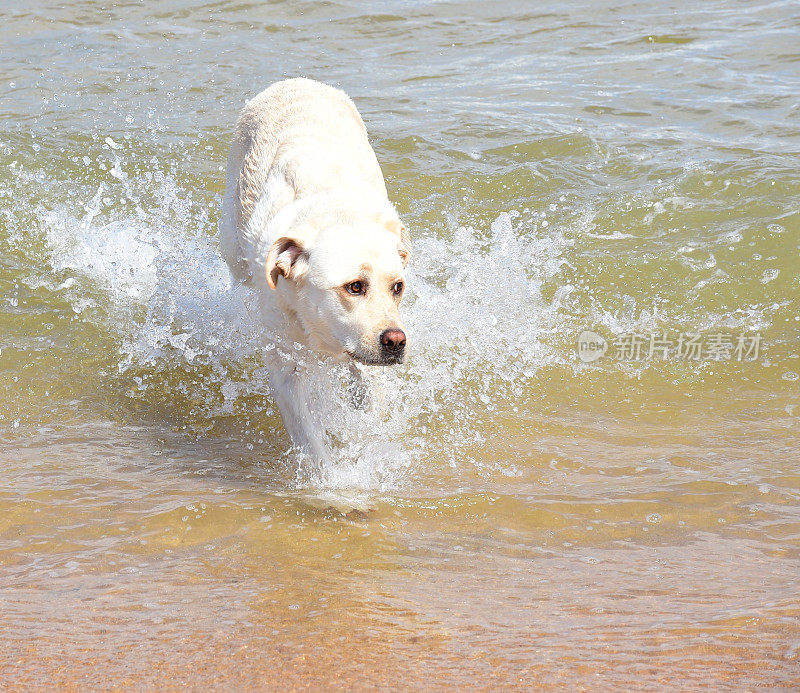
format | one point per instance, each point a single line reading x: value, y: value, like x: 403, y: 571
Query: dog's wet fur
x: 306, y: 221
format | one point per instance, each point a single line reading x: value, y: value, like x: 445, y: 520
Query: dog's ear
x: 404, y: 247
x: 286, y: 257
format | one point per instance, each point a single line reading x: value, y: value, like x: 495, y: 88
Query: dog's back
x: 296, y: 138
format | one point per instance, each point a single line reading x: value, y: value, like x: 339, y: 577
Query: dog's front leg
x: 292, y: 397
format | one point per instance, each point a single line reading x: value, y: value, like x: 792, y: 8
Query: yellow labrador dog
x: 307, y: 223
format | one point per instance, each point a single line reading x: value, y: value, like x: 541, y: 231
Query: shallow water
x: 514, y: 515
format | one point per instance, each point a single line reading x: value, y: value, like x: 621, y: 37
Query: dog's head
x: 345, y: 286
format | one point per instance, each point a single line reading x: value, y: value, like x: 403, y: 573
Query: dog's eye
x: 356, y: 288
x: 397, y: 289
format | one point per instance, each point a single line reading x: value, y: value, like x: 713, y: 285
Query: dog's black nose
x: 393, y: 341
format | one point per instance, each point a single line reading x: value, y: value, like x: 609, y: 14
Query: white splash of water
x: 475, y: 316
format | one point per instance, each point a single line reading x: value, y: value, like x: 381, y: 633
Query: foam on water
x: 474, y: 312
